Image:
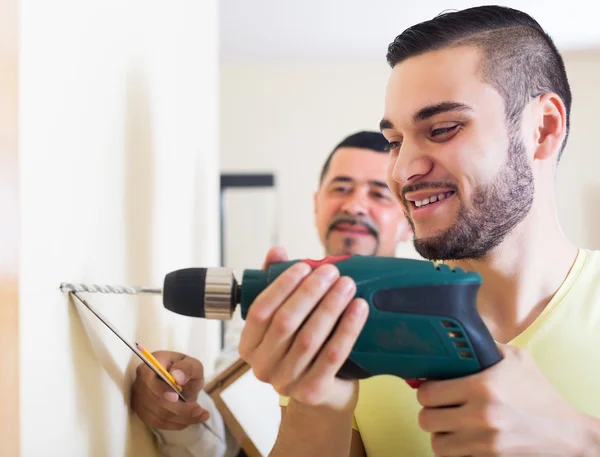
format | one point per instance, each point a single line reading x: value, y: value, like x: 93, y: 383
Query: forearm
x: 590, y: 446
x: 309, y: 430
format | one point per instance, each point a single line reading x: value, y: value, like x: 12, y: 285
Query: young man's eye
x: 444, y: 132
x: 393, y: 145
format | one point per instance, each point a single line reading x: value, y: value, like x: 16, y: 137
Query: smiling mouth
x: 433, y: 199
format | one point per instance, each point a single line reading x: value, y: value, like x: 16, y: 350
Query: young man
x: 355, y: 213
x: 477, y: 115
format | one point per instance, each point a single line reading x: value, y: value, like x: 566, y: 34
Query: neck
x: 522, y: 274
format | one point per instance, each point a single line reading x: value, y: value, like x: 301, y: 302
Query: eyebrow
x: 428, y: 112
x: 348, y: 179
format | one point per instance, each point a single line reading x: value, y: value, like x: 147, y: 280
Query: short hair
x: 520, y: 59
x: 374, y: 141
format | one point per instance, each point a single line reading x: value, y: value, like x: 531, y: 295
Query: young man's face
x: 355, y: 212
x: 461, y: 175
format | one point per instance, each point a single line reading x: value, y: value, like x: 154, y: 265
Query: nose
x: 356, y: 203
x: 410, y: 164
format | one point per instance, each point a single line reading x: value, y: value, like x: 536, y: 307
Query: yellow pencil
x: 158, y: 366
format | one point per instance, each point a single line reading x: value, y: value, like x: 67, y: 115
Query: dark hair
x: 520, y: 59
x: 374, y: 141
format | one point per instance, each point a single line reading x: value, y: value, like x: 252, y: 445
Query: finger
x: 164, y: 419
x: 186, y: 411
x: 315, y: 332
x: 451, y: 392
x: 150, y: 383
x: 459, y: 444
x: 275, y: 255
x: 167, y: 358
x: 268, y: 301
x: 334, y: 353
x: 290, y: 317
x: 437, y: 420
x: 189, y: 373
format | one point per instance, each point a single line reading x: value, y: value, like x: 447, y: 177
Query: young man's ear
x: 551, y: 128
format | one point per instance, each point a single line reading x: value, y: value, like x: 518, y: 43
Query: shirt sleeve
x: 197, y: 440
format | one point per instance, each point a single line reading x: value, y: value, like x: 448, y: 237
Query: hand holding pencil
x: 156, y: 404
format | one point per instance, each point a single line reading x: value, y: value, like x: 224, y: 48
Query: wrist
x: 342, y: 400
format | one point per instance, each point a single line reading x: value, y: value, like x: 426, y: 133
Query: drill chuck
x: 210, y: 293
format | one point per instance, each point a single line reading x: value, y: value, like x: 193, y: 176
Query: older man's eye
x: 340, y: 189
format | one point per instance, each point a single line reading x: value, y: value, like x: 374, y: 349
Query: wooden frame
x: 9, y: 231
x: 214, y: 389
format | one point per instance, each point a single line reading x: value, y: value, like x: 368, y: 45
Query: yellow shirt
x: 564, y: 341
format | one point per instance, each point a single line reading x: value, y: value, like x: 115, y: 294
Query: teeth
x: 433, y: 199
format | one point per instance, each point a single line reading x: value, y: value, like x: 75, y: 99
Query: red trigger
x: 332, y: 259
x: 414, y: 383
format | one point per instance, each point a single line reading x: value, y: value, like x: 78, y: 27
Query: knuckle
x: 244, y: 352
x: 257, y: 315
x: 486, y: 391
x: 309, y: 395
x: 305, y: 341
x: 261, y: 374
x: 283, y: 324
x: 323, y: 277
x: 140, y: 370
x: 333, y: 355
x: 290, y: 278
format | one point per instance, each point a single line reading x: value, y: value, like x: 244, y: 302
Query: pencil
x: 158, y: 366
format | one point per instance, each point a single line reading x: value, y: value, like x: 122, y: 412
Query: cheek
x: 326, y: 210
x: 477, y: 158
x: 388, y: 220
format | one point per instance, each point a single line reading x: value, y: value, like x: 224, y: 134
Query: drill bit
x: 106, y: 289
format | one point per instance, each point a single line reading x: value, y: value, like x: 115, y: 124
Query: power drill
x: 423, y: 322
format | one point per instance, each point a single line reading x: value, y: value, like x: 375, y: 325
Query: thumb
x: 275, y: 255
x: 188, y: 373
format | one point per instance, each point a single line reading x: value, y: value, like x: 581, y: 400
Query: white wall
x: 118, y: 185
x: 286, y: 117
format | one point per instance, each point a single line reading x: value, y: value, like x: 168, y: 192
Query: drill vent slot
x: 465, y: 354
x: 461, y: 344
x: 455, y: 334
x: 449, y: 324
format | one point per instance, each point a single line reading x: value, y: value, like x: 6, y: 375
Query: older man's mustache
x: 354, y: 220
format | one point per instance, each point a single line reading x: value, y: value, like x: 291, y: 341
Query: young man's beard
x: 498, y: 208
